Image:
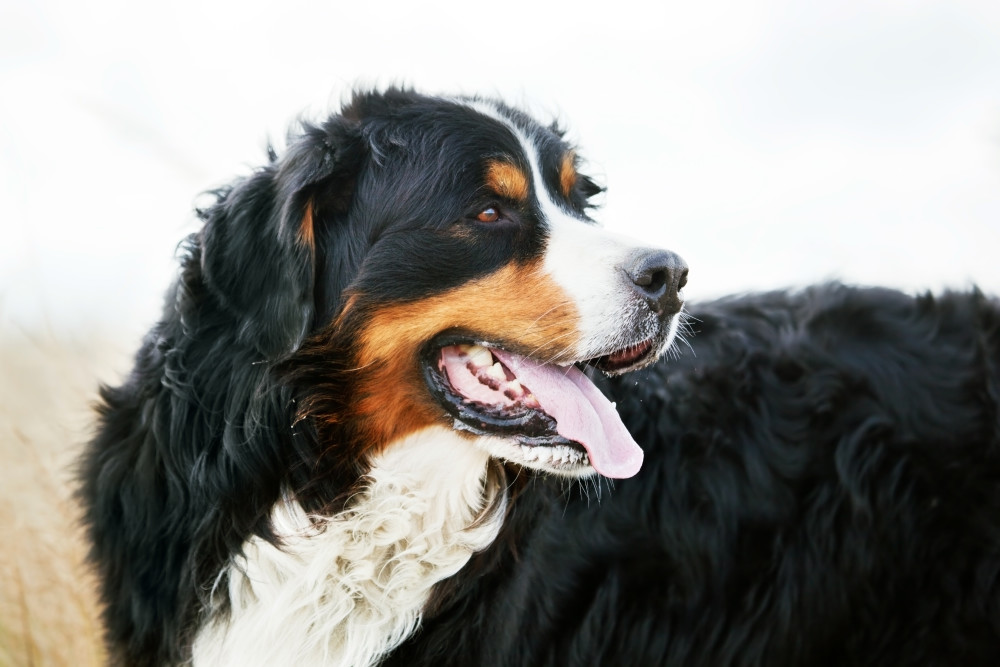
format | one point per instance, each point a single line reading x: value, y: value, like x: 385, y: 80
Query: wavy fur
x: 821, y: 487
x: 276, y: 484
x: 280, y: 413
x: 351, y: 587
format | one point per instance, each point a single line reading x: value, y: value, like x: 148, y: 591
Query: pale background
x: 772, y: 143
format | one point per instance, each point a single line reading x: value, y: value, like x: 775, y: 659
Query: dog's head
x: 418, y: 261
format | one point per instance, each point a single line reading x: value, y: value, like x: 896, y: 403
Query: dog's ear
x: 258, y: 240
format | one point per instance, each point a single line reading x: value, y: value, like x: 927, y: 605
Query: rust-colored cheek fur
x: 517, y: 306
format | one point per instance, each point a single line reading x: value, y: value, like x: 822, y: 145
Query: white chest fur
x: 349, y: 588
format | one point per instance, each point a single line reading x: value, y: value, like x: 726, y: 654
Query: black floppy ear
x: 257, y: 245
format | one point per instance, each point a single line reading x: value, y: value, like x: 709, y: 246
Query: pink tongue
x: 582, y: 413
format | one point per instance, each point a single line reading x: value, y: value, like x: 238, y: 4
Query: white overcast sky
x: 772, y: 143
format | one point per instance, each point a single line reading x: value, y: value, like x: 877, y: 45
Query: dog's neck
x: 347, y: 589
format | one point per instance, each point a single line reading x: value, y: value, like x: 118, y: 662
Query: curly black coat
x: 821, y: 487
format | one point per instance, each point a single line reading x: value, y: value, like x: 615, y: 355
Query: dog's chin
x: 565, y: 460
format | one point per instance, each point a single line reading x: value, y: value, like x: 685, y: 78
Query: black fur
x: 194, y: 449
x: 821, y: 487
x: 820, y: 476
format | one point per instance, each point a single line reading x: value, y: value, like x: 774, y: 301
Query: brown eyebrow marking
x: 567, y: 173
x: 507, y: 180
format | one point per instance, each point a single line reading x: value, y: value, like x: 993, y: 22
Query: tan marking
x: 347, y: 309
x: 507, y: 180
x: 567, y: 173
x: 517, y: 306
x: 306, y: 235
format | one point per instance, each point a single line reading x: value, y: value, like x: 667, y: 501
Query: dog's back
x: 821, y: 486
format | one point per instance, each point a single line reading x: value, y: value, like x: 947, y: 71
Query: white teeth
x: 496, y: 372
x: 479, y: 355
x: 515, y: 387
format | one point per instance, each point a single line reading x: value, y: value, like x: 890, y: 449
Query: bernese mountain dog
x: 403, y: 407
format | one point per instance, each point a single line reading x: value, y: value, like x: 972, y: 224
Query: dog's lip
x: 528, y: 425
x: 550, y: 404
x: 614, y: 361
x: 625, y: 359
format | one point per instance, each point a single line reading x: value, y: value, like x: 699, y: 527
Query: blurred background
x: 772, y: 143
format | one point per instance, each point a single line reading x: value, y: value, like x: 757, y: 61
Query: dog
x: 408, y: 405
x: 370, y: 337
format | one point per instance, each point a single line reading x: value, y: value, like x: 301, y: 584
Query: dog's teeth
x: 479, y: 355
x: 496, y: 372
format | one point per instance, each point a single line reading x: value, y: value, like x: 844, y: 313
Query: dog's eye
x: 488, y: 215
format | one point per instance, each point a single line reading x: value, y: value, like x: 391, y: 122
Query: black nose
x: 658, y: 276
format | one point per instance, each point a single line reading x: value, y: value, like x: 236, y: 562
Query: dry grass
x: 48, y: 609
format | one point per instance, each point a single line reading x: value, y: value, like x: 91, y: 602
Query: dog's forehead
x: 469, y: 133
x: 537, y: 145
x: 545, y: 160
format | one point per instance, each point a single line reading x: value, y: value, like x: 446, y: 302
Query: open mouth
x: 554, y: 413
x: 625, y: 359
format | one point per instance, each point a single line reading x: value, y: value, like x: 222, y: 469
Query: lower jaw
x: 563, y: 460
